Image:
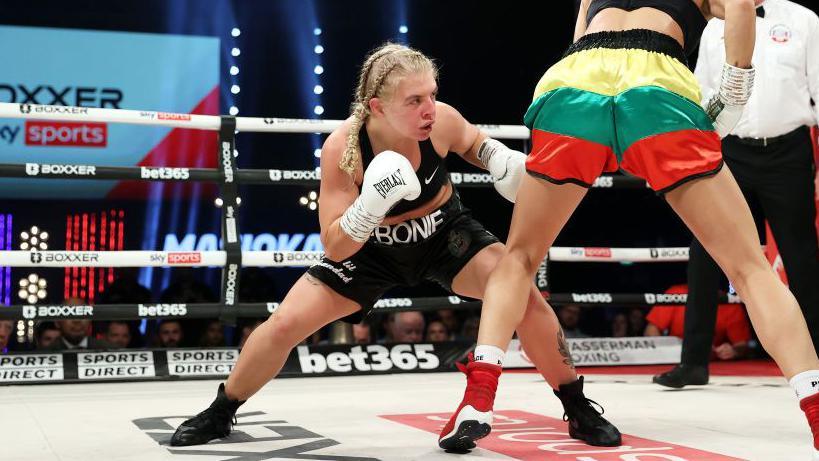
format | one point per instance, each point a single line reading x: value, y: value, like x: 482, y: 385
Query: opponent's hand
x: 506, y: 166
x: 725, y: 107
x: 388, y: 179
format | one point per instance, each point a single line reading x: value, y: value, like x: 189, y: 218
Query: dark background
x: 490, y: 53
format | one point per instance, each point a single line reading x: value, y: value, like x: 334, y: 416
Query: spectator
x: 170, y: 333
x: 248, y: 329
x: 636, y: 321
x: 469, y: 329
x: 362, y: 333
x: 731, y: 335
x: 46, y: 333
x: 118, y: 334
x: 76, y: 335
x: 619, y: 325
x: 405, y: 327
x: 450, y: 320
x: 6, y: 328
x: 214, y: 335
x: 569, y: 316
x: 437, y: 332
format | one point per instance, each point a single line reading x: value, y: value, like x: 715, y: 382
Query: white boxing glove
x: 389, y: 179
x: 506, y: 166
x: 725, y: 107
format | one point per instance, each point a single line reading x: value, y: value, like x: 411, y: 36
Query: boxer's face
x: 410, y: 108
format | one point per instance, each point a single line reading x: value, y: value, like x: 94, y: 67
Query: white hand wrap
x: 358, y: 223
x: 506, y: 166
x: 725, y: 108
x: 389, y: 179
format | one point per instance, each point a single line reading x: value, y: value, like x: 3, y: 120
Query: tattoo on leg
x: 563, y: 348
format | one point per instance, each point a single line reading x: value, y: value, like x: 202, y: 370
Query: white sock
x: 489, y: 354
x: 805, y: 384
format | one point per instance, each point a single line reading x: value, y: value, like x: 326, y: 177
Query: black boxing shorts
x: 434, y: 247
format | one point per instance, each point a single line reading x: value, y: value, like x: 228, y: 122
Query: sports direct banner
x: 118, y: 70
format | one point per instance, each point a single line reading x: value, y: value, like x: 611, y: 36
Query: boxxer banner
x: 111, y: 70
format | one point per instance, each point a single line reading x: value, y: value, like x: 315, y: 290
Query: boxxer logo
x: 230, y: 285
x: 29, y: 312
x: 384, y: 186
x: 84, y: 96
x: 227, y: 151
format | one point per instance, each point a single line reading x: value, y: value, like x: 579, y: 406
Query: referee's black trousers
x: 777, y: 181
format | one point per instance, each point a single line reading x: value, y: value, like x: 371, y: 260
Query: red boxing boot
x: 473, y: 418
x: 810, y: 405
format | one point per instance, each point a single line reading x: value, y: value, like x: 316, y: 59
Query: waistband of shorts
x: 635, y: 39
x: 432, y: 222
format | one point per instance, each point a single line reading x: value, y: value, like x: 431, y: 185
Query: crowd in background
x: 733, y: 339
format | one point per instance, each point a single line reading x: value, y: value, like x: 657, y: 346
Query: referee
x: 770, y: 154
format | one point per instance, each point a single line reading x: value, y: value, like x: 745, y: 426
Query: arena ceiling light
x: 310, y: 201
x: 32, y: 289
x: 34, y: 239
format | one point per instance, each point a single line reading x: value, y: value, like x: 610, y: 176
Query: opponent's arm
x: 506, y: 166
x: 725, y: 107
x: 580, y: 26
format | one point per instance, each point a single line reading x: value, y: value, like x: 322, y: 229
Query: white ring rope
x: 203, y: 122
x: 19, y: 258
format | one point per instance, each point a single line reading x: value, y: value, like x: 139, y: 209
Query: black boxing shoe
x: 586, y: 423
x: 214, y: 423
x: 683, y: 375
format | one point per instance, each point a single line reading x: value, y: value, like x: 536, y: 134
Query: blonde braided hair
x: 380, y: 72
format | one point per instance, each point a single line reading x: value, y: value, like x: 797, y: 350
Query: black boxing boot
x: 214, y: 423
x: 683, y: 375
x: 586, y: 422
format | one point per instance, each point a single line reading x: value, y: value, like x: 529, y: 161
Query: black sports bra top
x: 686, y: 13
x: 432, y: 173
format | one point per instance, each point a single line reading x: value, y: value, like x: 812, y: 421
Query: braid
x: 352, y: 152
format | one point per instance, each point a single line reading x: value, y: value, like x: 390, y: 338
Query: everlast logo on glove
x: 384, y: 186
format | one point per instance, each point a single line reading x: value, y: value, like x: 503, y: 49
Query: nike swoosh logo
x: 427, y: 180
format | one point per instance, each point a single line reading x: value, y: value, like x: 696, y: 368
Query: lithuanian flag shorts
x: 621, y: 100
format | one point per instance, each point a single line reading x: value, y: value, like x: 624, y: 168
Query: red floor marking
x: 528, y: 436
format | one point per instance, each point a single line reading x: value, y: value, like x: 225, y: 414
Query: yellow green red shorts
x: 621, y: 100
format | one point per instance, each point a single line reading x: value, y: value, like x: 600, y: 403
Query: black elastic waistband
x: 417, y: 230
x: 639, y: 39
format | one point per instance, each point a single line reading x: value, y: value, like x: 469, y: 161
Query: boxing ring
x: 124, y: 405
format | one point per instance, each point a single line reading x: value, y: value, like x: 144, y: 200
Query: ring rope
x: 204, y: 122
x: 244, y: 176
x: 161, y: 311
x: 55, y: 258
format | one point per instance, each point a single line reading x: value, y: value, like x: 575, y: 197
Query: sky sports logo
x: 184, y: 257
x: 66, y: 134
